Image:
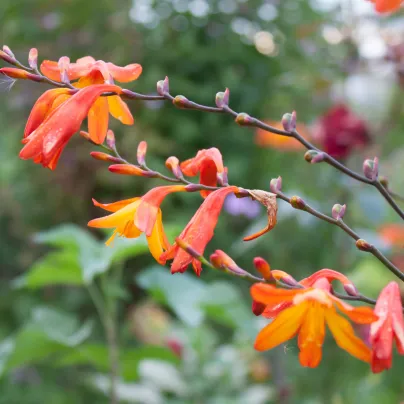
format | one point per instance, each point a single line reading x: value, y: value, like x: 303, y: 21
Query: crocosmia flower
x: 198, y: 232
x: 89, y: 71
x: 308, y: 312
x: 132, y: 217
x: 386, y: 6
x: 340, y: 132
x: 389, y: 327
x: 55, y: 118
x: 209, y: 164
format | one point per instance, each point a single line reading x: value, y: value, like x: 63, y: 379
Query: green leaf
x: 56, y: 268
x: 183, y: 293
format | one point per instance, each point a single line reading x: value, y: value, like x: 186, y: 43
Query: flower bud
x: 63, y: 65
x: 297, y: 202
x: 350, y: 289
x: 338, y: 211
x: 163, y: 87
x: 141, y: 153
x: 7, y: 50
x: 314, y: 156
x: 263, y: 268
x: 6, y: 57
x: 219, y: 259
x: 110, y: 139
x: 19, y: 74
x: 173, y: 164
x: 127, y: 169
x: 363, y: 245
x: 244, y: 119
x: 180, y: 101
x: 187, y: 247
x: 86, y: 136
x: 276, y: 185
x: 222, y: 98
x: 289, y: 121
x: 258, y: 308
x: 33, y: 58
x: 104, y: 157
x: 371, y: 168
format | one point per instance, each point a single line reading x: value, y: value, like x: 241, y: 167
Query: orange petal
x: 345, y: 337
x: 115, y: 206
x: 117, y: 219
x: 329, y: 274
x: 311, y: 336
x: 98, y: 118
x: 120, y: 110
x: 360, y: 315
x: 269, y: 295
x: 50, y: 69
x: 125, y: 74
x: 42, y: 108
x: 283, y: 328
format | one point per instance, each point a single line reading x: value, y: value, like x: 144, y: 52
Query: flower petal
x: 360, y: 315
x: 120, y: 110
x: 311, y: 336
x: 269, y: 295
x: 385, y: 6
x: 283, y: 328
x: 115, y: 206
x: 125, y: 74
x: 345, y: 337
x: 98, y: 118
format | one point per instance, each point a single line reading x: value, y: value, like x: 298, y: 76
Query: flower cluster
x: 86, y: 89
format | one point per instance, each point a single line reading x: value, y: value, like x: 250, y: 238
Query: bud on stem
x: 363, y: 245
x: 244, y: 119
x: 110, y: 139
x: 104, y: 157
x: 276, y: 185
x: 181, y: 102
x: 33, y: 58
x: 314, y: 156
x: 222, y: 98
x: 289, y: 121
x: 6, y: 57
x: 141, y: 153
x: 127, y: 169
x: 297, y: 202
x: 173, y: 164
x: 371, y: 168
x: 163, y: 87
x: 15, y: 73
x: 338, y: 211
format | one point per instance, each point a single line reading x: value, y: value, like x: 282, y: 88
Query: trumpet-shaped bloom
x: 389, y: 326
x: 90, y: 71
x: 386, y: 6
x: 308, y: 312
x: 47, y: 133
x: 198, y: 232
x: 132, y: 217
x: 209, y: 164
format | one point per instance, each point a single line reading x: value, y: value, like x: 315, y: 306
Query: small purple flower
x: 241, y: 206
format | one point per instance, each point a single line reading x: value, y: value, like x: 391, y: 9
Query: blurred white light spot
x: 373, y: 48
x: 199, y: 8
x: 181, y: 6
x: 267, y: 12
x: 332, y: 35
x: 227, y: 6
x: 142, y: 12
x: 240, y: 25
x: 264, y: 42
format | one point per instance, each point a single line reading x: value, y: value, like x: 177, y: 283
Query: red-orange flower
x: 49, y: 129
x: 385, y: 6
x: 389, y: 326
x: 207, y: 162
x: 309, y: 309
x: 132, y: 217
x: 198, y: 232
x: 89, y: 72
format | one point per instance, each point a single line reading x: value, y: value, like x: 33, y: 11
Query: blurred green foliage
x: 53, y: 346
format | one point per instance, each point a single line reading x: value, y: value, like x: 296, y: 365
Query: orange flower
x: 264, y: 138
x: 50, y: 128
x: 392, y: 234
x: 207, y: 162
x: 89, y: 72
x: 385, y: 6
x: 134, y: 216
x: 198, y: 232
x: 390, y: 325
x: 309, y: 309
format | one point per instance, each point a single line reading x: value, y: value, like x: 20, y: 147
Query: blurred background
x: 182, y: 339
